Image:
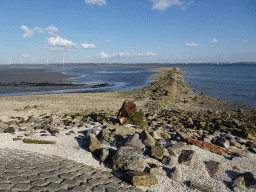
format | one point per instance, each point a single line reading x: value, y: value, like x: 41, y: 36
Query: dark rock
x: 223, y: 142
x: 10, y: 130
x: 243, y: 179
x: 170, y: 161
x: 187, y: 157
x: 141, y: 178
x: 213, y: 168
x: 107, y: 155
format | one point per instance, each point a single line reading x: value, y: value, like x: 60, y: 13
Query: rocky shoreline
x: 184, y: 134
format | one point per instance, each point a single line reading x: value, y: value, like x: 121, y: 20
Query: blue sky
x: 127, y: 31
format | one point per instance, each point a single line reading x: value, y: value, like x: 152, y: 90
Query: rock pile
x: 144, y: 152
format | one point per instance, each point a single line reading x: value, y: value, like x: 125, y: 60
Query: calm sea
x: 234, y: 83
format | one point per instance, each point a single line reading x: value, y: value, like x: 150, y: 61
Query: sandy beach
x: 168, y: 92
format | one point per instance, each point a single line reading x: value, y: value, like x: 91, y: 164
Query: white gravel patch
x: 68, y: 147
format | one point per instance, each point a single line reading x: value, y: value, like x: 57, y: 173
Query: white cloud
x: 27, y: 32
x: 24, y: 55
x: 104, y: 55
x: 124, y: 55
x: 30, y: 32
x: 162, y: 5
x: 150, y: 54
x: 191, y: 45
x: 96, y: 2
x: 60, y: 42
x: 51, y: 30
x: 213, y: 41
x: 88, y: 46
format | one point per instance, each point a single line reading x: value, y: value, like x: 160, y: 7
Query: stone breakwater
x: 186, y: 144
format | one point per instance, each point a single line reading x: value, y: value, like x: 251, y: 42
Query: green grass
x: 35, y: 141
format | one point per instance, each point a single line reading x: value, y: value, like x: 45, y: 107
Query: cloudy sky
x: 127, y: 31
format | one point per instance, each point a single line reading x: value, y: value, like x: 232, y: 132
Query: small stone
x: 170, y: 161
x: 17, y: 139
x: 238, y: 152
x: 177, y: 147
x: 243, y: 179
x: 149, y: 140
x: 141, y: 178
x: 200, y: 187
x: 158, y: 171
x: 176, y: 174
x: 213, y: 168
x: 158, y: 152
x: 224, y: 142
x: 187, y: 157
x: 10, y: 130
x: 94, y: 145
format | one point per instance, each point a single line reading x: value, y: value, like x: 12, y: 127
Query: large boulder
x: 129, y: 158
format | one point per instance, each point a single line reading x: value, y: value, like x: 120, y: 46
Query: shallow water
x: 234, y: 83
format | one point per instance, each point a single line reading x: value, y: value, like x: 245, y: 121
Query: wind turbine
x: 21, y: 61
x: 63, y: 61
x: 10, y: 61
x: 47, y: 61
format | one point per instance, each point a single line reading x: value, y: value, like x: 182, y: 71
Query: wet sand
x: 20, y: 80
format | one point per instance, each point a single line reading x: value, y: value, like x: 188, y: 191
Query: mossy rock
x: 139, y: 119
x: 35, y: 141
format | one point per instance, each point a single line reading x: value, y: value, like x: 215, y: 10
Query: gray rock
x: 158, y: 171
x: 163, y: 143
x: 176, y: 174
x: 223, y: 142
x: 158, y: 152
x: 107, y: 155
x: 238, y: 152
x: 129, y: 158
x: 170, y: 161
x: 148, y: 139
x: 135, y: 142
x: 177, y: 147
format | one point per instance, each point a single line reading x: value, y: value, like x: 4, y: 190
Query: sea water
x: 234, y: 83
